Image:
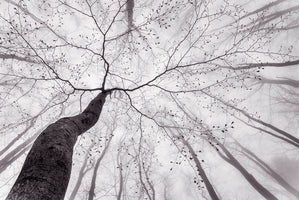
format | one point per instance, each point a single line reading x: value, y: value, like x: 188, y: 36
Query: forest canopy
x: 193, y: 99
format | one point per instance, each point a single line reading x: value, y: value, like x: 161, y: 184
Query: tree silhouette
x: 127, y: 99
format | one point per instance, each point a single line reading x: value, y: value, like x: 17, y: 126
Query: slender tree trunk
x: 91, y: 193
x: 82, y: 173
x: 249, y: 177
x: 130, y: 11
x: 12, y: 142
x: 144, y: 188
x: 18, y: 151
x: 200, y: 170
x: 271, y: 133
x: 47, y: 168
x: 121, y: 179
x: 249, y: 154
x: 284, y: 133
x: 13, y: 156
x: 29, y: 126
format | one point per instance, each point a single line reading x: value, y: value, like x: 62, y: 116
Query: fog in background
x: 204, y: 95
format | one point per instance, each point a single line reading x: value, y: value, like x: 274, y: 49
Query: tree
x: 268, y: 170
x: 47, y: 168
x: 172, y: 79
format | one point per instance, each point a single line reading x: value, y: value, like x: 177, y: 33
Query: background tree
x: 181, y: 76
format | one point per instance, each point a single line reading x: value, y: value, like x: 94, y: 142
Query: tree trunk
x: 249, y: 177
x: 121, y: 178
x: 91, y: 193
x: 200, y: 170
x: 264, y: 166
x: 82, y: 173
x: 284, y: 133
x: 17, y: 152
x: 47, y: 168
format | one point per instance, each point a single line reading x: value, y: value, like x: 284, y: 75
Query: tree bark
x: 47, y: 168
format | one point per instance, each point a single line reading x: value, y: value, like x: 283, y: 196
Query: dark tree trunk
x: 47, y: 168
x: 200, y: 170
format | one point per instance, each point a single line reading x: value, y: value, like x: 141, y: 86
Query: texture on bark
x: 47, y: 168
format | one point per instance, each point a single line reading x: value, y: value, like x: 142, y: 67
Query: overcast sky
x: 210, y: 71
